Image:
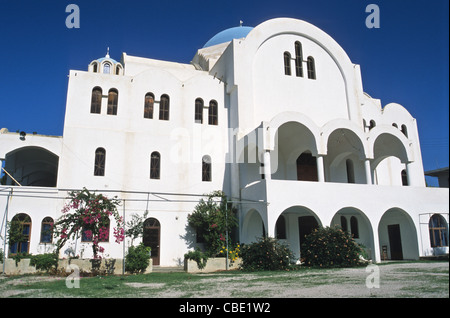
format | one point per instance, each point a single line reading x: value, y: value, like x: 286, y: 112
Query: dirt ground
x: 418, y: 280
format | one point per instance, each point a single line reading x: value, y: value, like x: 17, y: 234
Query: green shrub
x: 198, y: 256
x: 44, y: 261
x: 330, y: 247
x: 137, y: 259
x: 266, y: 254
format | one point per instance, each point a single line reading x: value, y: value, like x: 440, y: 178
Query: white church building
x: 275, y: 116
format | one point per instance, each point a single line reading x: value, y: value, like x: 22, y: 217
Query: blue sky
x: 406, y: 60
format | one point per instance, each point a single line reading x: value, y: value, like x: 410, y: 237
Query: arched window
x: 405, y: 130
x: 395, y: 125
x: 307, y: 167
x: 95, y: 67
x: 298, y: 59
x: 118, y: 69
x: 148, y: 105
x: 164, y: 106
x: 206, y: 168
x: 47, y: 230
x: 311, y: 67
x: 438, y: 231
x: 354, y: 227
x: 344, y: 224
x: 280, y: 228
x: 113, y: 96
x: 213, y: 116
x: 103, y: 235
x: 100, y: 159
x: 198, y: 111
x: 155, y: 165
x: 404, y: 178
x: 107, y: 68
x: 287, y: 63
x: 21, y: 226
x: 372, y: 124
x: 350, y: 171
x: 96, y: 100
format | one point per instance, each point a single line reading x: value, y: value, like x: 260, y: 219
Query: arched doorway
x: 397, y: 236
x: 151, y: 238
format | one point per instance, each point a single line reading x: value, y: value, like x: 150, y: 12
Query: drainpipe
x: 5, y: 219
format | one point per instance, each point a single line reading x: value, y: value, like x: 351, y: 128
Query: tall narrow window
x: 199, y: 110
x: 404, y: 178
x: 164, y: 106
x: 280, y: 228
x: 298, y: 59
x: 47, y: 230
x: 354, y: 227
x: 96, y: 100
x: 100, y: 159
x: 344, y: 225
x: 438, y: 231
x: 404, y: 130
x: 350, y: 171
x: 287, y: 63
x: 148, y: 105
x: 95, y: 67
x: 206, y: 168
x: 311, y: 68
x: 307, y: 167
x: 213, y: 117
x: 155, y: 165
x: 113, y: 96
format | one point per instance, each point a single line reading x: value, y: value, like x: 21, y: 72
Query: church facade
x: 275, y: 116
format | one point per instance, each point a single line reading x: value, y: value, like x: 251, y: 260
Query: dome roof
x: 228, y: 35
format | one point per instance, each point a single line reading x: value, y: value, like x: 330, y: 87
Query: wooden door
x: 395, y: 242
x: 152, y: 234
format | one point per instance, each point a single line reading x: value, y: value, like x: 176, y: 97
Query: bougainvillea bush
x: 330, y: 247
x: 89, y: 214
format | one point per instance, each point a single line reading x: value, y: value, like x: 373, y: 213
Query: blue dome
x: 228, y: 35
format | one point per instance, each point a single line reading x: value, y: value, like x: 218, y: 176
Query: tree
x: 213, y: 220
x: 88, y: 213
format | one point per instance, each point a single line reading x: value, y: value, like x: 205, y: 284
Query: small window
x: 95, y: 67
x: 206, y: 168
x: 21, y: 223
x: 164, y: 106
x: 148, y: 105
x: 405, y: 130
x: 199, y: 110
x: 438, y: 231
x: 354, y: 227
x: 96, y: 100
x: 118, y: 69
x: 100, y: 159
x: 107, y: 68
x: 113, y: 96
x: 372, y: 124
x: 298, y: 59
x: 395, y: 125
x: 311, y: 68
x: 213, y: 113
x: 287, y: 63
x: 47, y: 230
x: 155, y: 165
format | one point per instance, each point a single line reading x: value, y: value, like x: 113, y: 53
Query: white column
x: 320, y: 168
x: 368, y: 171
x: 267, y: 166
